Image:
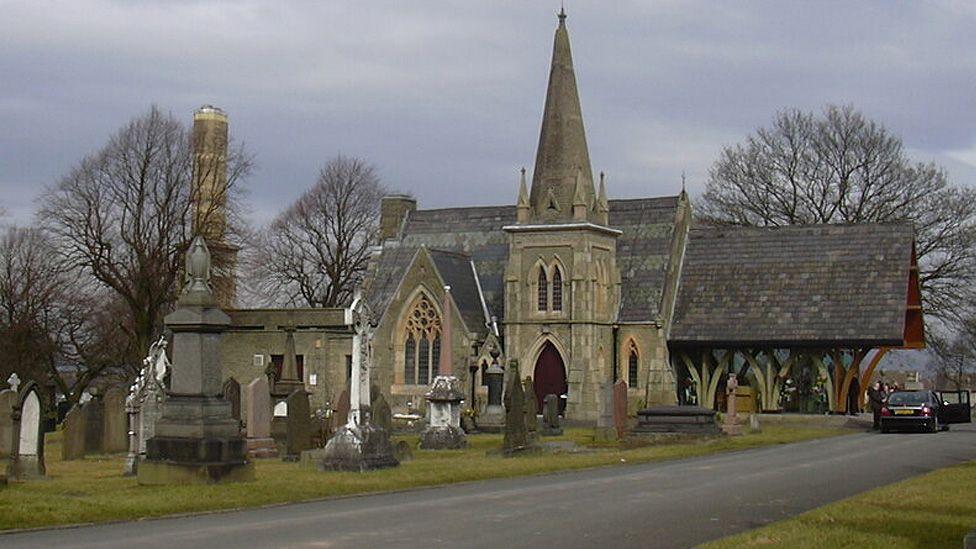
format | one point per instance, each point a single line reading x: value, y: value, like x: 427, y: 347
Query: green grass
x: 932, y: 510
x: 93, y: 490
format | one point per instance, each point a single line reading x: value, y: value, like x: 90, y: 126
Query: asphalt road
x: 674, y: 504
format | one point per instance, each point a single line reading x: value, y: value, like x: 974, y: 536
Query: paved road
x: 675, y: 504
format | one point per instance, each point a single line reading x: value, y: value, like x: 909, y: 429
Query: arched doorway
x: 549, y: 376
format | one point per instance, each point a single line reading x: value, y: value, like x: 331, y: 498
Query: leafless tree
x: 125, y: 216
x: 954, y: 357
x: 844, y: 168
x: 315, y: 252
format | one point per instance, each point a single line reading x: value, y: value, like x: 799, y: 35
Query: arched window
x: 543, y: 297
x: 632, y: 366
x: 557, y: 290
x: 422, y: 343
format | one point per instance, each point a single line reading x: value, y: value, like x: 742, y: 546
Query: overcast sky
x: 446, y: 97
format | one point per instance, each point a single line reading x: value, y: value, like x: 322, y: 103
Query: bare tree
x: 125, y: 215
x: 954, y: 357
x: 844, y: 168
x: 315, y: 252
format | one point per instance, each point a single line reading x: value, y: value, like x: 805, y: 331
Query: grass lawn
x: 93, y: 490
x: 932, y: 510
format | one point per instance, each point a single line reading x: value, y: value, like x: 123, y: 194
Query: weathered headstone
x: 492, y: 420
x: 381, y: 414
x: 620, y: 408
x: 258, y: 419
x: 605, y: 430
x: 516, y: 437
x: 115, y: 421
x: 299, y: 425
x: 73, y: 437
x: 94, y: 425
x: 531, y: 408
x: 232, y: 393
x: 8, y: 401
x: 341, y: 414
x: 550, y: 416
x: 28, y: 462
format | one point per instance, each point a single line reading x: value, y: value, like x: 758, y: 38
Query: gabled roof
x: 456, y: 271
x: 814, y: 285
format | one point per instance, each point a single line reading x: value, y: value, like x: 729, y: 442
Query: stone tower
x: 562, y: 281
x: 210, y: 197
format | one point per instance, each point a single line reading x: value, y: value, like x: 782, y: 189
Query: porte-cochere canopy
x: 760, y: 301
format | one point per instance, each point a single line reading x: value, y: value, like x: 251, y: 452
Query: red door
x: 549, y: 376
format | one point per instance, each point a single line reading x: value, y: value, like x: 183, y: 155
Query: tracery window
x: 422, y: 343
x: 557, y: 290
x: 632, y: 366
x: 543, y: 298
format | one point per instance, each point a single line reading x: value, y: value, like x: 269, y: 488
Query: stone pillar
x: 493, y: 418
x: 196, y: 439
x: 445, y: 396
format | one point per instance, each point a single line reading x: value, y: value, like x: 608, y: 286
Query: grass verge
x: 936, y: 509
x: 92, y: 490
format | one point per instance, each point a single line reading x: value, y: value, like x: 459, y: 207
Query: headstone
x: 29, y: 459
x: 94, y: 425
x: 8, y: 401
x: 731, y: 425
x: 605, y: 430
x: 299, y: 426
x: 531, y: 408
x: 196, y: 440
x: 550, y: 416
x: 115, y: 422
x: 232, y: 393
x: 73, y: 436
x: 492, y: 420
x: 443, y: 431
x: 516, y: 437
x: 341, y: 415
x: 381, y: 414
x: 258, y: 420
x: 620, y: 408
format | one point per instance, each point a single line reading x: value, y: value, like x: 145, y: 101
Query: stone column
x: 493, y: 418
x: 445, y: 396
x: 196, y: 439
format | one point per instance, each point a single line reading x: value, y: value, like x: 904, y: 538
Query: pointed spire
x: 602, y: 206
x: 523, y: 209
x: 562, y: 150
x: 579, y: 198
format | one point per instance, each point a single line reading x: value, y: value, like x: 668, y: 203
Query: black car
x: 924, y: 410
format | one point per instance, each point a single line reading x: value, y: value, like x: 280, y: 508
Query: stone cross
x: 361, y: 318
x: 14, y: 381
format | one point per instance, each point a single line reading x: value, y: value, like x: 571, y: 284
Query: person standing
x: 876, y: 401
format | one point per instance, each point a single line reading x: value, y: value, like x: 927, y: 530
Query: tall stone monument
x: 359, y: 445
x: 492, y: 420
x: 445, y: 396
x: 516, y: 439
x: 197, y: 440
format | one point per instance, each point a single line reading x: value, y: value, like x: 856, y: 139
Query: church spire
x: 602, y: 206
x: 523, y: 208
x: 562, y: 150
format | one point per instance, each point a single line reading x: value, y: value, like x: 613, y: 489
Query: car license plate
x: 904, y: 412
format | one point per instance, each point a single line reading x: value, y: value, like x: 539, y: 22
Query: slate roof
x: 809, y: 285
x: 642, y: 253
x: 455, y: 269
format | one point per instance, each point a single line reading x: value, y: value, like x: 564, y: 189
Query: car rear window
x: 908, y: 398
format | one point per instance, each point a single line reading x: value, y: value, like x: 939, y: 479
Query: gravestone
x: 605, y: 430
x: 258, y: 419
x: 8, y: 401
x: 73, y: 437
x: 550, y: 416
x: 144, y: 403
x: 341, y: 415
x: 28, y: 462
x: 620, y: 408
x: 531, y: 408
x: 115, y: 427
x: 443, y: 431
x: 382, y: 416
x: 94, y: 425
x: 232, y: 393
x: 492, y: 420
x: 516, y: 437
x: 298, y: 425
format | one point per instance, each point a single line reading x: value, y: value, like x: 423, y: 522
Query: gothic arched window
x: 543, y: 297
x: 632, y: 365
x: 422, y: 347
x: 557, y: 290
